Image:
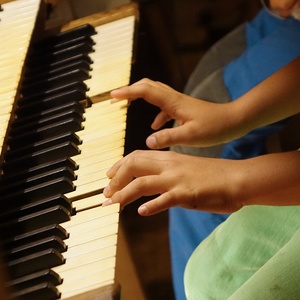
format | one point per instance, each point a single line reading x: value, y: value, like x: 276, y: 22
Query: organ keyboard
x: 59, y: 134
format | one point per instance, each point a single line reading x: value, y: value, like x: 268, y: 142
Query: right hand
x: 201, y: 123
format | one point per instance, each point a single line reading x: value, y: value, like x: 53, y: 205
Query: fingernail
x: 152, y: 142
x: 107, y: 202
x: 143, y: 210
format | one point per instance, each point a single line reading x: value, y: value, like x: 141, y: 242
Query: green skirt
x: 254, y: 254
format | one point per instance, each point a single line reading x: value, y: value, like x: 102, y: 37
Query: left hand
x: 178, y: 180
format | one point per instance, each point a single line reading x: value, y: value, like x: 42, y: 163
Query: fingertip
x: 109, y: 173
x: 107, y: 202
x: 113, y: 100
x: 143, y: 210
x: 151, y: 142
x: 106, y: 191
x: 116, y: 95
x: 113, y: 92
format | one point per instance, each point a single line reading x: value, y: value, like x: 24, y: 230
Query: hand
x: 201, y: 123
x: 209, y: 184
x: 177, y: 179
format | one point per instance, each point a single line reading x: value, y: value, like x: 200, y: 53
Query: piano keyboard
x: 93, y: 248
x: 20, y: 15
x: 112, y: 57
x: 60, y: 242
x: 102, y: 145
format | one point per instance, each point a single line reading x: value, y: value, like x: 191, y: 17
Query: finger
x: 114, y: 168
x: 157, y: 84
x: 122, y: 92
x: 161, y: 119
x: 158, y: 155
x: 142, y: 186
x: 153, y: 93
x: 131, y: 168
x: 159, y: 204
x: 169, y: 137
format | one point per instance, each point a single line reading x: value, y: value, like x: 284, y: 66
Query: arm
x: 214, y: 185
x: 274, y: 99
x: 208, y: 184
x: 203, y: 123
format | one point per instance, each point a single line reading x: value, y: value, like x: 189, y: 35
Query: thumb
x: 167, y: 137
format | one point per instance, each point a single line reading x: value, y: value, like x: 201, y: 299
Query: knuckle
x: 114, y: 183
x: 136, y: 153
x: 172, y: 198
x: 118, y: 198
x: 131, y: 162
x: 145, y: 80
x: 168, y: 136
x: 140, y: 184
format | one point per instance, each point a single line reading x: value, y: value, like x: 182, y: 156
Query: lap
x: 238, y: 250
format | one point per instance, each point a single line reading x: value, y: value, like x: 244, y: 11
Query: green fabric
x: 278, y: 279
x: 254, y: 254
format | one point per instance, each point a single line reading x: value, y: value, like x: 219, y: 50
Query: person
x: 212, y: 184
x: 188, y: 214
x: 253, y: 51
x: 283, y: 9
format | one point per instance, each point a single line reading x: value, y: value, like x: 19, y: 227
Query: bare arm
x: 271, y: 179
x: 214, y: 185
x: 274, y: 99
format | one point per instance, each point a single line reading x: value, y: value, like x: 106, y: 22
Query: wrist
x: 233, y: 123
x: 239, y: 181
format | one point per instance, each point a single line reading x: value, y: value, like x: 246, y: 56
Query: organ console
x: 59, y: 133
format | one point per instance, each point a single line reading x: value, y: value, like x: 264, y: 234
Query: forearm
x: 268, y: 180
x: 276, y: 98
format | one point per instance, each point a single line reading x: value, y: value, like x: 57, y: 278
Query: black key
x: 51, y: 101
x: 36, y: 246
x: 34, y: 235
x: 45, y: 291
x: 9, y: 177
x: 44, y: 68
x: 44, y: 132
x: 36, y: 262
x: 47, y: 121
x: 29, y: 281
x: 55, y: 81
x: 56, y: 71
x: 83, y: 30
x: 60, y: 185
x: 35, y: 117
x: 77, y: 88
x: 29, y: 182
x: 42, y: 156
x: 36, y: 220
x: 60, y: 56
x: 50, y: 45
x: 41, y: 145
